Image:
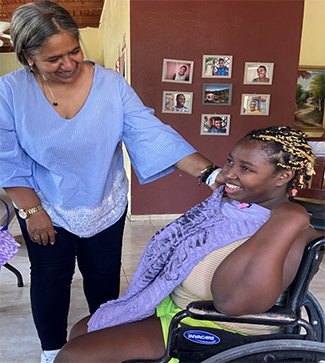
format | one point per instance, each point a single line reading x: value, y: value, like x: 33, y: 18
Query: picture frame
x: 216, y: 94
x: 123, y: 61
x: 217, y: 66
x: 215, y: 124
x: 258, y: 73
x: 309, y: 105
x: 261, y: 107
x: 175, y: 69
x: 172, y: 102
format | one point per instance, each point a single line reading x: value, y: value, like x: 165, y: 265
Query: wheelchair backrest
x: 309, y: 265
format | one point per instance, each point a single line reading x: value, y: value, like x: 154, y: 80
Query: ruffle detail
x: 170, y: 256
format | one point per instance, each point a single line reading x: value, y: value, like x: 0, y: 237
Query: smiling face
x: 251, y: 178
x: 218, y: 124
x: 261, y: 72
x: 182, y: 71
x: 221, y: 63
x: 180, y: 101
x: 60, y: 59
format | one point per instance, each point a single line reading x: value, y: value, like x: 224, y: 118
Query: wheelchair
x: 302, y: 340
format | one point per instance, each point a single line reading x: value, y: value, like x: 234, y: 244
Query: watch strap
x: 29, y: 212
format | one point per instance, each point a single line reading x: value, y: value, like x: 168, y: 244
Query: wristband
x: 204, y: 174
x: 212, y: 177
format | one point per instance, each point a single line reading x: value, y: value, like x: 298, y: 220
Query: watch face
x: 22, y: 214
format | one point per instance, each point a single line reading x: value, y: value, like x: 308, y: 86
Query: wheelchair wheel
x: 316, y: 315
x: 278, y: 351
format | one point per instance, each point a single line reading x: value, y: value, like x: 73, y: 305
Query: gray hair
x: 33, y: 23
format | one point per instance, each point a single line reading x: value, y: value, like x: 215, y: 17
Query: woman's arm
x: 194, y: 164
x: 38, y: 224
x: 252, y: 277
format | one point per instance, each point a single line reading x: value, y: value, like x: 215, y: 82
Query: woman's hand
x: 40, y: 228
x: 39, y: 225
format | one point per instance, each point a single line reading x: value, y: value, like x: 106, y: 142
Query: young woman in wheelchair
x: 242, y: 252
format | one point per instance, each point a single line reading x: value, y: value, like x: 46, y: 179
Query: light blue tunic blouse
x: 76, y: 165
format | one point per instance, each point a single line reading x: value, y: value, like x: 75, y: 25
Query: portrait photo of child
x: 177, y: 102
x: 177, y: 71
x: 217, y: 66
x: 255, y: 104
x: 215, y: 124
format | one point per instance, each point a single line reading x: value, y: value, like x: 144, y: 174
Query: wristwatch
x: 26, y: 213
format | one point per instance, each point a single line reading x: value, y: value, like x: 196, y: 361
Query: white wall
x: 114, y: 31
x: 90, y: 45
x: 8, y: 63
x: 312, y: 50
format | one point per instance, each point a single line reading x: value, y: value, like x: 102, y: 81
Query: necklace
x: 55, y: 102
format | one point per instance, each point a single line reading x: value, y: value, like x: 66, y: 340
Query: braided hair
x: 288, y: 149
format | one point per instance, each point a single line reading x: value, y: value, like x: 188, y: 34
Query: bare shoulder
x: 291, y: 213
x: 289, y: 225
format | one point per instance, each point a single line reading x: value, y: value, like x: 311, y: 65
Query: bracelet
x: 204, y: 174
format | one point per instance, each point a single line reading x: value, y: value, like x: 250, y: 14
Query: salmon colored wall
x: 250, y: 31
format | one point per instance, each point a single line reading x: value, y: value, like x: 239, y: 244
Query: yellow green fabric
x: 166, y: 311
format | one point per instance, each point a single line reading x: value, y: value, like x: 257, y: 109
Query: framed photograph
x: 309, y: 108
x: 255, y: 105
x: 258, y: 73
x: 215, y: 124
x: 177, y: 71
x: 216, y: 94
x: 122, y: 68
x: 177, y: 102
x: 217, y: 66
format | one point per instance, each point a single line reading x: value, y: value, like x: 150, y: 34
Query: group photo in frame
x: 258, y: 73
x: 216, y: 94
x: 177, y: 71
x: 309, y: 107
x: 215, y: 124
x: 217, y: 66
x: 177, y: 102
x: 255, y: 104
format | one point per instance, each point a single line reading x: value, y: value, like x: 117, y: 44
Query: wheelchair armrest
x: 277, y: 315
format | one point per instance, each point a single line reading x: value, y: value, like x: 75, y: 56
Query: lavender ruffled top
x: 173, y: 252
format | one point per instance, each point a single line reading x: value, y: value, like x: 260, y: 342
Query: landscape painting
x: 310, y: 93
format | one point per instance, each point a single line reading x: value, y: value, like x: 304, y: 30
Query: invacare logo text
x: 201, y: 337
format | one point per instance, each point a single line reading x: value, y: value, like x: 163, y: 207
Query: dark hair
x: 183, y: 67
x: 33, y: 23
x: 287, y: 149
x: 262, y: 67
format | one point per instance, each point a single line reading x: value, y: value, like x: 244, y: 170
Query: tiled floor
x: 18, y: 338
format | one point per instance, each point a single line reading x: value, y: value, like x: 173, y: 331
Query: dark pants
x: 52, y: 268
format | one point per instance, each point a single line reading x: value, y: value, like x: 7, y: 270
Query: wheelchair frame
x: 302, y: 340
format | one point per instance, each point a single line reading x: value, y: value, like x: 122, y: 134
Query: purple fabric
x: 173, y: 252
x: 8, y: 246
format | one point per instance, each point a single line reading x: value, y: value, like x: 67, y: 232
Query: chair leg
x: 16, y: 272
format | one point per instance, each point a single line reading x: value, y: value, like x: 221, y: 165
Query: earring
x: 294, y: 192
x: 31, y: 68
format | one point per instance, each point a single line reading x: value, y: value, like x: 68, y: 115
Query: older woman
x: 62, y: 123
